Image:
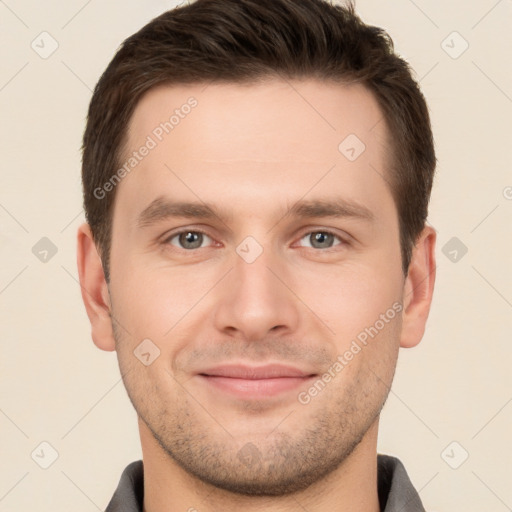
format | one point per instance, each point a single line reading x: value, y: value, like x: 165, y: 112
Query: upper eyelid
x: 171, y: 234
x: 169, y: 237
x: 328, y: 231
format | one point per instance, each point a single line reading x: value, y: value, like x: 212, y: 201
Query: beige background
x: 57, y: 387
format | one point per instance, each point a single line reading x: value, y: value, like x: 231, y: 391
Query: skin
x: 252, y: 152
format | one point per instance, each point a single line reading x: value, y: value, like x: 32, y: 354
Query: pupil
x: 191, y: 240
x: 321, y: 239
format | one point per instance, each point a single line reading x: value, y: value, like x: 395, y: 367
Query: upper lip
x: 240, y: 371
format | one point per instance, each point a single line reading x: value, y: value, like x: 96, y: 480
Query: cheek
x: 362, y: 308
x: 350, y: 298
x: 152, y: 301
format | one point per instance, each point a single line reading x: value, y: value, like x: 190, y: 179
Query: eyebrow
x: 162, y: 209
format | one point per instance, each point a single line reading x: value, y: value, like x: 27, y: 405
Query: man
x: 256, y: 181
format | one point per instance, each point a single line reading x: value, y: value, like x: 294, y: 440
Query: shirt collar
x: 396, y: 492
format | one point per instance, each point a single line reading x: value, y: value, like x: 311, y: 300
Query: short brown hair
x: 246, y: 40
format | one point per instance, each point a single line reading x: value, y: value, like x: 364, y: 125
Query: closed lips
x: 254, y: 373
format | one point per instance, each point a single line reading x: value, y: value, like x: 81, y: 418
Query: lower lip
x: 255, y: 388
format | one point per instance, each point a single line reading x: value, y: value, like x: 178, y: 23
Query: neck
x: 351, y: 486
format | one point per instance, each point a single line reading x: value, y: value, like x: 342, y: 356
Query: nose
x: 257, y: 300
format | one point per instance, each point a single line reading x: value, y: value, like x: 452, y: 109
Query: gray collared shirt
x: 396, y: 492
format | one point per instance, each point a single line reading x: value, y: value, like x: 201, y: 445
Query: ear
x: 418, y: 288
x: 94, y: 289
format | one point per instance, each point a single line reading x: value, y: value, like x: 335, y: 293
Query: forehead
x: 302, y: 118
x: 277, y: 137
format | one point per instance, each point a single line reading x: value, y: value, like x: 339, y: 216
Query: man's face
x: 254, y: 285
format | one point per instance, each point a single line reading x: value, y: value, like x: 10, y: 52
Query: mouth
x: 249, y: 382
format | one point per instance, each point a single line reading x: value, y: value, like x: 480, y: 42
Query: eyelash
x: 342, y: 241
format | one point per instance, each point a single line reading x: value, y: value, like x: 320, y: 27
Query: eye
x: 320, y: 239
x: 189, y: 239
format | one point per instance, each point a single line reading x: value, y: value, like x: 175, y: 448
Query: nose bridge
x: 254, y: 301
x: 252, y: 273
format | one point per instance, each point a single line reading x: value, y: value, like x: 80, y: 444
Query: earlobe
x: 94, y: 289
x: 419, y: 288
